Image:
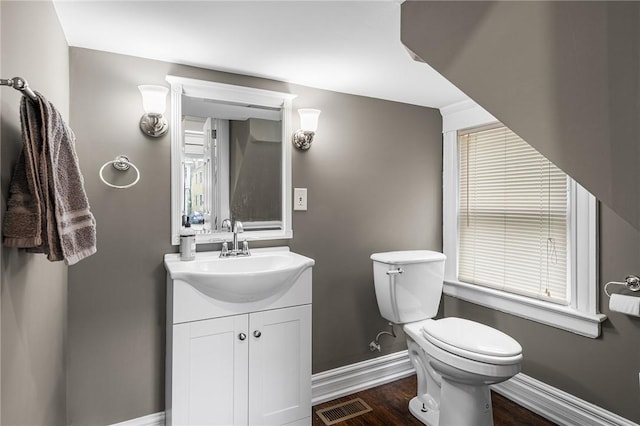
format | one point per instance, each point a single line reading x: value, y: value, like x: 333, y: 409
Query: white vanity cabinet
x: 239, y: 363
x: 245, y: 369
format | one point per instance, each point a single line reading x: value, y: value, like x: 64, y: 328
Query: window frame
x: 581, y: 315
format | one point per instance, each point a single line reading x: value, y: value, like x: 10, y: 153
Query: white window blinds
x: 512, y: 216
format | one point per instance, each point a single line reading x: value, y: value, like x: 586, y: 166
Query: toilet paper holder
x: 632, y: 282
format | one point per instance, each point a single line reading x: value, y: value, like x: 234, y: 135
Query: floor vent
x: 343, y: 411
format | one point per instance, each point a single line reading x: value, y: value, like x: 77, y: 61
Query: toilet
x: 455, y: 359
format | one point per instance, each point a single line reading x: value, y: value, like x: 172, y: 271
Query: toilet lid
x: 471, y: 337
x: 407, y: 256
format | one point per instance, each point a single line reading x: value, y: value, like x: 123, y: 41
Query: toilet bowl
x: 455, y: 359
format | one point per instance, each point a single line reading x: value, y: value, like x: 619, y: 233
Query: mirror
x: 229, y: 160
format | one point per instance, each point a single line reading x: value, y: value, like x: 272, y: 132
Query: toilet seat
x: 488, y: 368
x: 472, y: 340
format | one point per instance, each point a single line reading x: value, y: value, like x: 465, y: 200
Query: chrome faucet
x: 237, y: 228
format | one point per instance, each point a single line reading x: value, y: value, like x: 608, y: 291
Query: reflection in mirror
x: 195, y: 172
x: 230, y: 160
x: 254, y: 171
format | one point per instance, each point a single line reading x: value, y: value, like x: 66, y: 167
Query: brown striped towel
x: 48, y: 210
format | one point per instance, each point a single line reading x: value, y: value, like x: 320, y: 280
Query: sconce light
x: 154, y: 102
x: 303, y: 137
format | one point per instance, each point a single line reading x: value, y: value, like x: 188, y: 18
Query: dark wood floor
x: 390, y: 407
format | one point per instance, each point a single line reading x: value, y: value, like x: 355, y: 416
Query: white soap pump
x: 187, y: 241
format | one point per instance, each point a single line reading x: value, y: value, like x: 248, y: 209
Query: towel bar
x: 121, y: 163
x: 21, y: 85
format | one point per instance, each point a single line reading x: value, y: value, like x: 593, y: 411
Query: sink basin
x: 240, y: 279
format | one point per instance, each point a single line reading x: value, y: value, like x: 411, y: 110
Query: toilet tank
x: 408, y: 284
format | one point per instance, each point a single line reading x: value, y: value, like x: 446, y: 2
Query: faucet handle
x: 245, y: 248
x: 225, y: 249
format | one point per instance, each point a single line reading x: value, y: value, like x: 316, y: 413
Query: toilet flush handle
x: 395, y: 271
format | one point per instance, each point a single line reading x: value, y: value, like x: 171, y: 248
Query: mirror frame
x: 227, y: 93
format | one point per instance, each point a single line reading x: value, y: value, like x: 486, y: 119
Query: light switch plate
x: 300, y: 198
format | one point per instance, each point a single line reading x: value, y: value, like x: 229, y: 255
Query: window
x: 519, y: 234
x: 512, y: 219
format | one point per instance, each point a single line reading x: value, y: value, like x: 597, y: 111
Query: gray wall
x: 34, y: 291
x: 585, y: 120
x: 563, y: 75
x: 374, y: 181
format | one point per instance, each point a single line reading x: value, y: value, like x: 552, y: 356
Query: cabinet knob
x: 242, y: 336
x: 257, y: 333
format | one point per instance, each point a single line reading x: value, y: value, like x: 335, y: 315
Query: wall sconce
x: 303, y: 137
x: 154, y: 102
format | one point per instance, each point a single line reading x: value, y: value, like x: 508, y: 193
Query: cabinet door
x: 280, y: 366
x: 210, y: 382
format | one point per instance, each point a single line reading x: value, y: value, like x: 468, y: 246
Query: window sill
x: 559, y: 316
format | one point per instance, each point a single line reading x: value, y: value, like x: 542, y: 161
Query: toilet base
x: 428, y: 417
x: 465, y: 405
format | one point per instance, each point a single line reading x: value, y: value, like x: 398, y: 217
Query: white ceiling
x: 346, y: 46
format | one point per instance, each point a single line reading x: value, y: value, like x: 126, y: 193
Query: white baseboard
x: 156, y: 419
x: 352, y: 378
x: 556, y: 405
x: 541, y: 398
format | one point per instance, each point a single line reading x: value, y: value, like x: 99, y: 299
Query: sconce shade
x: 154, y: 102
x: 154, y: 98
x: 309, y: 119
x: 303, y: 137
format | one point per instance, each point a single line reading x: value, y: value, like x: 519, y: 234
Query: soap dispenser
x: 187, y: 241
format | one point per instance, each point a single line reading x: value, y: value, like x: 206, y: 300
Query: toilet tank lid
x: 408, y: 256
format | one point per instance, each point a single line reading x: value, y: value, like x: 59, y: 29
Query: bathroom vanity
x: 239, y: 339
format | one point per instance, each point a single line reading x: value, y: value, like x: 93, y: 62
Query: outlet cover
x: 300, y: 198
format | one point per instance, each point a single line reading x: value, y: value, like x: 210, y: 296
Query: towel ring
x: 120, y: 163
x: 631, y: 282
